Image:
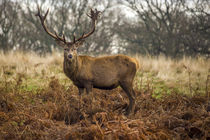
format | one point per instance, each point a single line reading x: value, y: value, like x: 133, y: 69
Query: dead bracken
x: 54, y: 114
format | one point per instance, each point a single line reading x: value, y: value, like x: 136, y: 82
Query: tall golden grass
x: 188, y: 74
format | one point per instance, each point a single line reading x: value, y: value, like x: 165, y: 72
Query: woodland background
x: 173, y: 28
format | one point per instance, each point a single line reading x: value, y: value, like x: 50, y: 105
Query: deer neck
x: 70, y: 67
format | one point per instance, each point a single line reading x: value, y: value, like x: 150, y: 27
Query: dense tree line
x: 170, y: 27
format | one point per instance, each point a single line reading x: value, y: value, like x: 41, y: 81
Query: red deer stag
x: 86, y: 72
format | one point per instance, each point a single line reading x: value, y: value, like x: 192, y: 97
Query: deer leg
x: 81, y: 91
x: 134, y: 93
x: 89, y: 88
x: 131, y: 94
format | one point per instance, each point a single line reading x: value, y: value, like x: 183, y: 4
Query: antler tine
x: 46, y: 14
x: 89, y: 15
x: 94, y: 14
x: 64, y: 39
x: 38, y: 13
x: 57, y: 37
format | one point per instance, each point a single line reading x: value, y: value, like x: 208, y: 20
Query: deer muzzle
x: 70, y: 56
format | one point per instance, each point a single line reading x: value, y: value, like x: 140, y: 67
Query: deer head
x: 70, y: 48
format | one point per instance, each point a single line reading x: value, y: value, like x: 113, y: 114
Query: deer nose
x: 70, y: 56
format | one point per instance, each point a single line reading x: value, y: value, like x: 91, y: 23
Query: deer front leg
x: 81, y: 91
x: 89, y: 88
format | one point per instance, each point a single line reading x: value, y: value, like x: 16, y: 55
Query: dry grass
x: 188, y: 75
x: 37, y: 101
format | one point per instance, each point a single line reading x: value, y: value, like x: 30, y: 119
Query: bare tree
x: 8, y: 25
x: 197, y: 37
x: 165, y: 27
x: 170, y: 27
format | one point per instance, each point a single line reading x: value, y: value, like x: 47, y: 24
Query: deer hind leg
x: 127, y: 87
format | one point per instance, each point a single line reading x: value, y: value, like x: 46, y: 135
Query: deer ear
x: 79, y: 43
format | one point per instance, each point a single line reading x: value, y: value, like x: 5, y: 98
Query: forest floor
x: 37, y: 101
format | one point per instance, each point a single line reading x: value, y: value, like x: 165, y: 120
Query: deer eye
x: 66, y: 49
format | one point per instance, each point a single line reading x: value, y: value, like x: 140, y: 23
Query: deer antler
x: 42, y: 19
x: 94, y: 16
